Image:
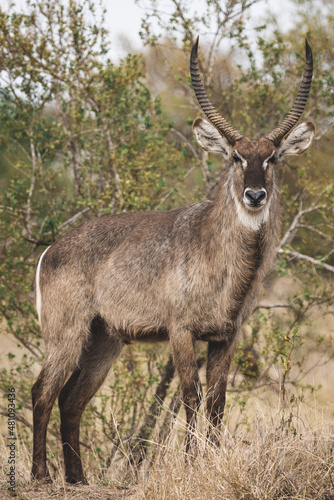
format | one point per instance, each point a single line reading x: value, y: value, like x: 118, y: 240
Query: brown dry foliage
x: 267, y: 466
x: 272, y: 459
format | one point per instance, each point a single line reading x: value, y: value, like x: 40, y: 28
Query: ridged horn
x: 215, y: 118
x: 298, y: 107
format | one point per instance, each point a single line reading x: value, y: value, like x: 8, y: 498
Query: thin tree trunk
x: 139, y: 447
x: 117, y: 180
x: 72, y: 146
x: 32, y: 183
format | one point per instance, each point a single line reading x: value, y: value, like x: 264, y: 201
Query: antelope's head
x: 252, y: 162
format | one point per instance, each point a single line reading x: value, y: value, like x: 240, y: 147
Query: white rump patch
x: 38, y: 290
x: 251, y: 222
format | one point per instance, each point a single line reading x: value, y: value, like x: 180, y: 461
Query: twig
x: 188, y: 143
x: 112, y: 165
x: 312, y: 228
x: 71, y: 146
x: 167, y: 195
x: 273, y: 306
x: 294, y: 225
x: 302, y: 256
x: 72, y: 219
x: 32, y: 183
x: 19, y: 418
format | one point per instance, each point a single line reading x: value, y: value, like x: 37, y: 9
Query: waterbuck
x: 183, y: 275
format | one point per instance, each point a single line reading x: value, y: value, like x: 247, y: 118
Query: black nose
x: 255, y: 197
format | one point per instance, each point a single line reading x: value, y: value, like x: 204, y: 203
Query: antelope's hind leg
x: 44, y: 393
x: 93, y: 367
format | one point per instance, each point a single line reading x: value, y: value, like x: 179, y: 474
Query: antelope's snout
x: 255, y: 199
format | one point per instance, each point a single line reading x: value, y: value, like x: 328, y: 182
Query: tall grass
x: 272, y: 460
x: 273, y: 457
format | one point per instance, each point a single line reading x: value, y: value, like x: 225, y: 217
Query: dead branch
x: 313, y: 261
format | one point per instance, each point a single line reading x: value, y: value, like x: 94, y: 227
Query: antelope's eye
x: 236, y: 157
x: 272, y: 159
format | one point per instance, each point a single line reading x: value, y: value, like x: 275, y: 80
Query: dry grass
x: 57, y: 492
x: 261, y: 464
x: 266, y: 461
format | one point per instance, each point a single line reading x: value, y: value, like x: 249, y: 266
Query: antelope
x: 183, y: 275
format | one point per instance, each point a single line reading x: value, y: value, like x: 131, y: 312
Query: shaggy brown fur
x: 184, y: 275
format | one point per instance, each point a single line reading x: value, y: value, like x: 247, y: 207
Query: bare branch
x: 209, y: 183
x: 32, y: 183
x: 112, y: 165
x: 289, y: 235
x: 18, y: 417
x: 71, y: 146
x: 25, y: 152
x: 316, y: 230
x: 167, y: 195
x: 63, y: 226
x: 302, y: 256
x: 188, y: 143
x: 273, y: 306
x: 324, y: 127
x: 327, y: 255
x: 11, y: 209
x: 40, y: 165
x: 72, y: 219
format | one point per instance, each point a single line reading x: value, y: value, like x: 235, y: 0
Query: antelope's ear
x: 210, y: 139
x: 297, y: 141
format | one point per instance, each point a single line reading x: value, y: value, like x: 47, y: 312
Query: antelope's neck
x: 241, y: 240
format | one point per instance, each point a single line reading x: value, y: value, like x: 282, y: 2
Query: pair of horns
x: 232, y: 133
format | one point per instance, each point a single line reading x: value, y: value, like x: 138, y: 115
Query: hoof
x: 77, y: 480
x: 41, y: 474
x: 42, y: 478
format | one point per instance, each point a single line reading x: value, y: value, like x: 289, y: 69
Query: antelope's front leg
x: 220, y: 355
x: 182, y: 347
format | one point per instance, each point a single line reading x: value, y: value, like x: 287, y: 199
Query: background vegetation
x: 80, y: 137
